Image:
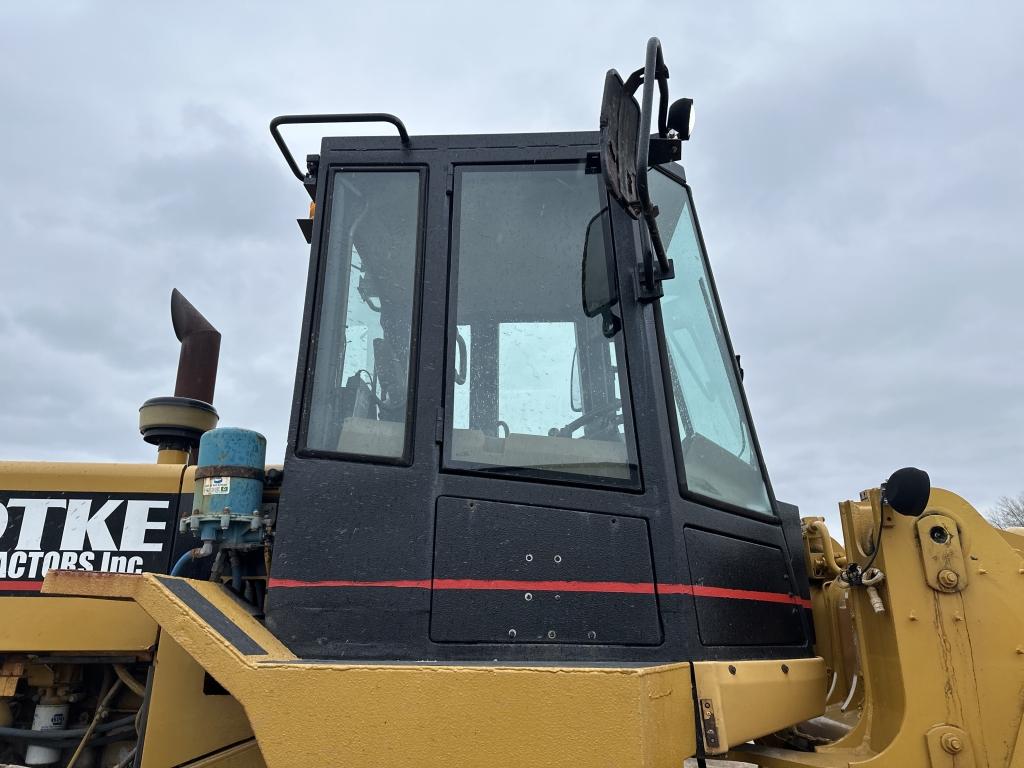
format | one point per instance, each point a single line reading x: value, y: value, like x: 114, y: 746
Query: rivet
x: 591, y: 635
x: 512, y: 634
x: 558, y: 558
x: 957, y: 616
x: 912, y: 616
x: 529, y: 558
x: 558, y: 597
x: 551, y: 634
x: 785, y: 669
x: 1020, y: 651
x: 528, y: 596
x: 983, y: 570
x: 732, y: 670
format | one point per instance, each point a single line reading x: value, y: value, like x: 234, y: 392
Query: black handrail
x: 355, y: 117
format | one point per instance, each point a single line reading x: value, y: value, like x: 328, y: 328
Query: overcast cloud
x: 857, y: 169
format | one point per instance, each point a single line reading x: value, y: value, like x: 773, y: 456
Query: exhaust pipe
x: 200, y: 350
x: 175, y: 424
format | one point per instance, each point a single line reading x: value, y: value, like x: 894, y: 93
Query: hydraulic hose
x: 236, y: 572
x: 192, y: 554
x: 26, y: 734
x: 182, y: 562
x: 126, y: 677
x: 826, y: 544
x: 124, y: 733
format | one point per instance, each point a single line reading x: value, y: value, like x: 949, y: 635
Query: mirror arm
x: 654, y: 70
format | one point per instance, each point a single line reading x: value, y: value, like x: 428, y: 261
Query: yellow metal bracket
x: 422, y: 714
x: 732, y: 698
x: 949, y: 747
x: 941, y: 553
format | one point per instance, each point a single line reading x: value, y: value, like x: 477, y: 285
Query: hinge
x: 707, y: 716
x: 439, y: 426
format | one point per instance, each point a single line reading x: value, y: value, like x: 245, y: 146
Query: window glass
x: 543, y: 382
x: 719, y: 459
x: 361, y: 377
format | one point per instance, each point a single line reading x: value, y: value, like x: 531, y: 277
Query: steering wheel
x: 609, y: 413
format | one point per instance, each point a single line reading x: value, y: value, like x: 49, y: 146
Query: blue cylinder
x: 229, y: 472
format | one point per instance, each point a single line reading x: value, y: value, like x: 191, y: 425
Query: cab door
x: 538, y: 417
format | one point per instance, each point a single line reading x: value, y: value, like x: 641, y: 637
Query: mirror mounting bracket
x: 666, y: 150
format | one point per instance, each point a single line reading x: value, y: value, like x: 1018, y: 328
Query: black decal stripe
x: 213, y: 616
x: 222, y: 751
x: 228, y: 470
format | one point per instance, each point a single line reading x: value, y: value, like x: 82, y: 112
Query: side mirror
x: 620, y: 126
x: 600, y: 289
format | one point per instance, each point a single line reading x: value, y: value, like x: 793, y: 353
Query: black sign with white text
x: 43, y: 531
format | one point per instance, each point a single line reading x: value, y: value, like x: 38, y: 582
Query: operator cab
x: 519, y: 430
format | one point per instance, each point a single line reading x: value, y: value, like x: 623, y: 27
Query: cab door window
x: 537, y: 388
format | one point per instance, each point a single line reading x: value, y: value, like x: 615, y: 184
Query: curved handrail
x: 354, y: 117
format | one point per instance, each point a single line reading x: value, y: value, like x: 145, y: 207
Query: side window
x: 360, y: 394
x: 719, y: 459
x: 536, y: 385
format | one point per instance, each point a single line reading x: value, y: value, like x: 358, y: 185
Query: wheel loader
x: 523, y: 516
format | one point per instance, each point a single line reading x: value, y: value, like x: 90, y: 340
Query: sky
x: 857, y: 169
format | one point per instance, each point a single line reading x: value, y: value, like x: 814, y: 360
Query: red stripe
x: 748, y: 594
x: 20, y: 586
x: 401, y: 583
x: 627, y: 587
x: 606, y: 587
x: 675, y: 589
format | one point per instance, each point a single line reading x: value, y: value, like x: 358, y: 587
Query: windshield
x: 719, y: 459
x: 535, y: 385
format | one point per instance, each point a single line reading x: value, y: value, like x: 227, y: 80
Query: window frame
x: 301, y: 448
x: 446, y: 418
x: 676, y: 175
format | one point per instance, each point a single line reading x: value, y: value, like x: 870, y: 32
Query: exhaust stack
x: 200, y: 350
x: 175, y: 424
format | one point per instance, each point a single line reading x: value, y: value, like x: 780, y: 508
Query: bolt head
x: 948, y: 578
x: 952, y: 743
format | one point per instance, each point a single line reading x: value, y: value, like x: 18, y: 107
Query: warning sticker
x: 214, y: 486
